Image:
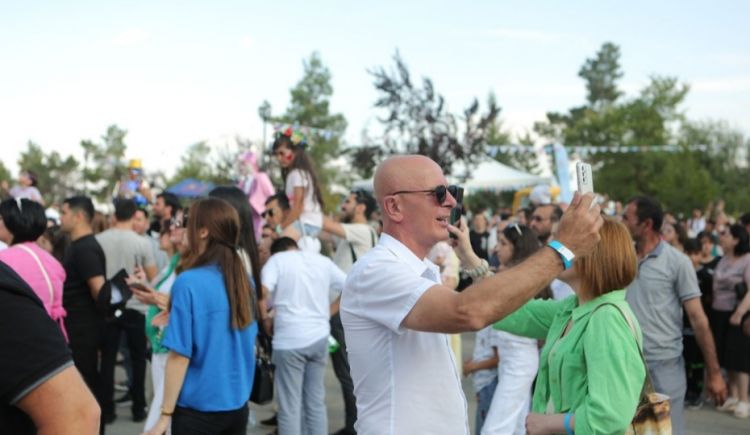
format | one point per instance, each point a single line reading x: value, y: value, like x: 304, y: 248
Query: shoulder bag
x: 652, y: 414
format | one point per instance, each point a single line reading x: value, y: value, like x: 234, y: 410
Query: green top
x: 595, y: 370
x: 153, y: 333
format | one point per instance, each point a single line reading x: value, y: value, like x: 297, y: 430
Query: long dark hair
x: 223, y: 225
x: 237, y: 199
x: 301, y: 161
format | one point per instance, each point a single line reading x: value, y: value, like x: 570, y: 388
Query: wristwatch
x: 566, y: 255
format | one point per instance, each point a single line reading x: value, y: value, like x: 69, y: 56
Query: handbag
x: 652, y: 414
x: 262, y: 391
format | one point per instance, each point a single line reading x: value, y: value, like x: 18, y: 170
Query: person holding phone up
x: 396, y: 312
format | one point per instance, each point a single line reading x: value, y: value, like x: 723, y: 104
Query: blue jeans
x: 484, y: 399
x: 300, y: 389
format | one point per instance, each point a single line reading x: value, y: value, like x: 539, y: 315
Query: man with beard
x: 544, y: 219
x: 356, y: 237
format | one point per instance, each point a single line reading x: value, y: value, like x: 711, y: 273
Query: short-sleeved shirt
x: 29, y: 192
x: 311, y: 212
x: 405, y: 381
x: 358, y: 237
x: 33, y: 349
x: 83, y: 260
x: 484, y: 345
x: 222, y: 359
x: 666, y: 279
x: 124, y: 249
x: 299, y: 283
x: 729, y: 273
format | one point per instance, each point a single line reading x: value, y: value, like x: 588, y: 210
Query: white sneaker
x: 728, y: 405
x: 742, y: 410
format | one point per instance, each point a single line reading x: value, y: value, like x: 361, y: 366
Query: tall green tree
x: 5, y: 175
x: 57, y: 177
x: 194, y: 163
x: 647, y: 121
x: 104, y: 163
x: 310, y: 105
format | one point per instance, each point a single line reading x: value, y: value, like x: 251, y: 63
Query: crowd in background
x: 186, y: 288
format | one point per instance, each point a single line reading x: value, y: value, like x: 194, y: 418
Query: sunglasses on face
x: 267, y: 213
x: 440, y: 192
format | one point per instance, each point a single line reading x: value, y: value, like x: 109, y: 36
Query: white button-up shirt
x: 405, y: 381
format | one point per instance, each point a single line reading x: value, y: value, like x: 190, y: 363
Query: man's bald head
x: 402, y: 173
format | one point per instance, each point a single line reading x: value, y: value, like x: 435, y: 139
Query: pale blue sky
x: 173, y: 73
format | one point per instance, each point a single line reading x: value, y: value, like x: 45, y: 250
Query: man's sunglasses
x: 267, y: 213
x: 440, y: 192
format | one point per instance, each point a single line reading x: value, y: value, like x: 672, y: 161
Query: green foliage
x: 5, y: 174
x: 104, y: 163
x: 310, y: 106
x: 57, y: 177
x: 651, y: 119
x: 193, y: 164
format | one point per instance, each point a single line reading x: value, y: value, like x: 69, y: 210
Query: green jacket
x: 595, y: 370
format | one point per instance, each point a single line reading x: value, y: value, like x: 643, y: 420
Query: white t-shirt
x: 405, y: 381
x: 360, y: 237
x: 311, y: 213
x: 483, y: 350
x: 298, y: 283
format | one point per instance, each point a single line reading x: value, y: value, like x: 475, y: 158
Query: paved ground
x: 699, y: 422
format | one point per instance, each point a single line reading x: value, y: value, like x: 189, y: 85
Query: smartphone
x: 458, y: 210
x: 585, y: 178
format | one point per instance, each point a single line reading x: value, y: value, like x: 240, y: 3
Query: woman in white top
x: 305, y: 215
x: 519, y: 356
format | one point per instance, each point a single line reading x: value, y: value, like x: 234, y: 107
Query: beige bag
x: 652, y: 416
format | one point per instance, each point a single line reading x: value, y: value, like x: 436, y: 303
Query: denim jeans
x: 300, y: 389
x: 186, y: 421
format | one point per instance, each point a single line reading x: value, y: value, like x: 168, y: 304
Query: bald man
x: 396, y: 313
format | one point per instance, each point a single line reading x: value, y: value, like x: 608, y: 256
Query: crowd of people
x: 576, y: 312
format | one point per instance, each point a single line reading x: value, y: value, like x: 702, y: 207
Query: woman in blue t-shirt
x: 211, y: 330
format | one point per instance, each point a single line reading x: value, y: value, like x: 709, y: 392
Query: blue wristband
x: 568, y: 430
x: 566, y: 255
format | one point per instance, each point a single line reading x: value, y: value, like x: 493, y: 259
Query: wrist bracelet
x: 568, y: 430
x: 482, y: 270
x: 566, y: 255
x: 165, y: 413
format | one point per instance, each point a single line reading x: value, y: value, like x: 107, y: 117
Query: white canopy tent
x: 489, y: 175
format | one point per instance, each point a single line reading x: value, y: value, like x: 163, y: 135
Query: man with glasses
x: 355, y: 238
x: 544, y: 219
x: 665, y: 285
x: 396, y: 313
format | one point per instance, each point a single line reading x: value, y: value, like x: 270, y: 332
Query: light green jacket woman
x: 594, y: 370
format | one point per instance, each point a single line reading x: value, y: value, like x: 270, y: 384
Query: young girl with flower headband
x: 305, y: 216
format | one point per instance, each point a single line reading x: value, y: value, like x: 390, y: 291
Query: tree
x: 57, y: 177
x: 418, y: 122
x: 104, y: 163
x: 647, y: 121
x: 310, y: 106
x: 601, y: 74
x: 5, y: 174
x: 194, y: 163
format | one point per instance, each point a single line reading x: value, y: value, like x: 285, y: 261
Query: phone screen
x: 457, y: 211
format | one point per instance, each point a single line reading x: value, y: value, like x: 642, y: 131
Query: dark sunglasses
x: 440, y: 192
x: 267, y: 213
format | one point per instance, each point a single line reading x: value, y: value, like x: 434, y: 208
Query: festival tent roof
x: 191, y: 188
x: 489, y: 175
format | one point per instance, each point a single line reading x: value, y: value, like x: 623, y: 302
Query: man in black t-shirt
x: 40, y: 389
x: 84, y: 264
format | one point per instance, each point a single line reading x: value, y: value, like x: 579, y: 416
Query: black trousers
x: 341, y: 368
x: 186, y: 421
x: 133, y: 324
x: 85, y: 341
